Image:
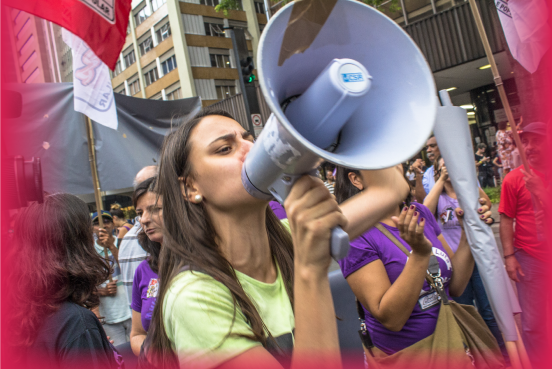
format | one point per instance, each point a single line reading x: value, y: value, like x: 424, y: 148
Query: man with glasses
x: 426, y: 181
x: 131, y: 254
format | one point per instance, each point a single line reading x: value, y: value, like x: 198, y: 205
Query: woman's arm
x: 392, y: 304
x: 386, y: 189
x: 312, y: 214
x: 462, y: 265
x: 432, y: 199
x: 137, y: 333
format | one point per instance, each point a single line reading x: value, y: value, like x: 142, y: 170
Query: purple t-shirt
x: 448, y: 222
x: 373, y: 245
x: 278, y: 210
x: 144, y: 292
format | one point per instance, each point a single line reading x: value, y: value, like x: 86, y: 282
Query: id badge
x: 428, y: 301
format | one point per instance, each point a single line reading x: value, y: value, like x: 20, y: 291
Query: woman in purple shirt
x: 399, y: 306
x: 146, y: 284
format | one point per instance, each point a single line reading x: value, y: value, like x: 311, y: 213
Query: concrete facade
x: 180, y: 49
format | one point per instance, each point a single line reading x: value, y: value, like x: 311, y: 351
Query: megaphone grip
x: 339, y: 243
x: 339, y: 240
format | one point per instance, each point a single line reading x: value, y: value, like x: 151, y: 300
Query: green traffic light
x: 252, y: 78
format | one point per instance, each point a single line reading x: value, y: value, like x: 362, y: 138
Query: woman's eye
x: 224, y: 149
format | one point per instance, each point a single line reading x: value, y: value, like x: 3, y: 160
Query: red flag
x: 102, y: 24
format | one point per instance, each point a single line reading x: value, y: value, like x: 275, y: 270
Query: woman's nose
x: 246, y: 147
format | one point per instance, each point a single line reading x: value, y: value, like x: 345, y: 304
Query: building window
x: 225, y: 89
x: 259, y: 8
x: 146, y: 46
x: 163, y: 33
x: 29, y: 61
x: 209, y: 2
x: 32, y: 76
x: 24, y: 27
x: 142, y: 15
x: 130, y: 59
x: 151, y: 76
x: 175, y: 95
x: 118, y: 68
x: 156, y: 4
x: 212, y: 29
x: 220, y: 61
x: 168, y: 65
x: 120, y: 89
x: 134, y: 87
x: 27, y: 45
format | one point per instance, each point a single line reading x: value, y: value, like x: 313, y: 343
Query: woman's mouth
x: 150, y: 231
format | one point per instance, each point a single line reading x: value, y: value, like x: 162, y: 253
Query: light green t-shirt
x: 198, y: 313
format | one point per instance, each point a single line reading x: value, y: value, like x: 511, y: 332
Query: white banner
x: 91, y: 83
x: 526, y: 29
x: 453, y: 136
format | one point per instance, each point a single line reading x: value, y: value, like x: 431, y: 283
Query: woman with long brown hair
x: 53, y: 286
x: 236, y: 287
x: 145, y: 285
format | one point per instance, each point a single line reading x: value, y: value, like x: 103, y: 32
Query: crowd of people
x: 208, y: 276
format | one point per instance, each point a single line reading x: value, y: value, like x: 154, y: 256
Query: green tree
x: 226, y: 5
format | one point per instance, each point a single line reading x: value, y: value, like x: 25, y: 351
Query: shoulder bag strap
x: 429, y: 278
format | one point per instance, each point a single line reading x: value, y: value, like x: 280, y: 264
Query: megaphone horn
x: 361, y: 96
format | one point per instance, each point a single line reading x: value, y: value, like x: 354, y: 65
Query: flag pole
x: 513, y: 348
x: 95, y: 179
x: 498, y: 81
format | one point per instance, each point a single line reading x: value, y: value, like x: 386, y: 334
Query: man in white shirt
x: 113, y: 296
x: 131, y: 254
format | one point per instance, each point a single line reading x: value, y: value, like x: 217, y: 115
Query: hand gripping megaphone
x: 361, y: 96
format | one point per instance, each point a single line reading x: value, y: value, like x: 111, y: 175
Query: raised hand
x: 312, y: 213
x: 413, y: 232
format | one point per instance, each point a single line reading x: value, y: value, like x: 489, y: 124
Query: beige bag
x: 461, y: 338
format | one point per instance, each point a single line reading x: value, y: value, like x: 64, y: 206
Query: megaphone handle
x: 339, y: 240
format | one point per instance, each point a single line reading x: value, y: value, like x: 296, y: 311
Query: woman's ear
x: 356, y: 180
x: 188, y: 189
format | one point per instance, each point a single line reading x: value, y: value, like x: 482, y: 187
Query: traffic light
x: 247, y: 67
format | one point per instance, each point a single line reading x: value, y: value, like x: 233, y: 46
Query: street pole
x: 95, y: 179
x: 498, y: 81
x: 267, y: 9
x: 232, y: 31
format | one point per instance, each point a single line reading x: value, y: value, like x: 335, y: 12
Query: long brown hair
x: 190, y: 241
x: 152, y: 248
x: 56, y: 262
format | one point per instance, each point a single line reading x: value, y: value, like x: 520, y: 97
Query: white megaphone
x: 361, y: 96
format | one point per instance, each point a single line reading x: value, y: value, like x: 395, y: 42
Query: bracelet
x: 507, y: 256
